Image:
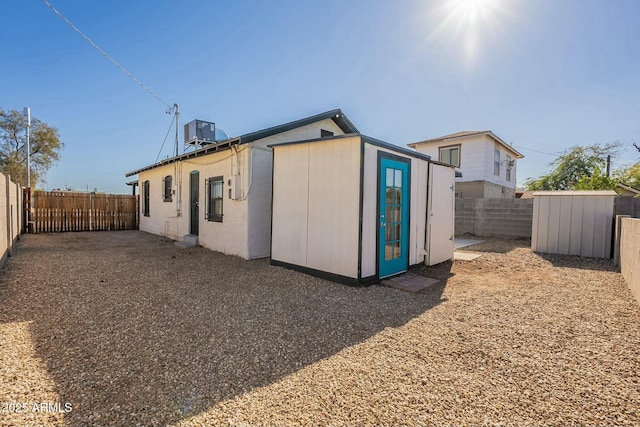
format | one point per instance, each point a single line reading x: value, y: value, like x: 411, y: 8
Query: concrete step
x: 188, y: 241
x: 409, y: 282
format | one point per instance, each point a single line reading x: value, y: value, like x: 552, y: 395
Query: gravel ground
x: 127, y: 329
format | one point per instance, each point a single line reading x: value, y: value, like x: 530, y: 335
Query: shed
x: 355, y: 209
x: 573, y: 222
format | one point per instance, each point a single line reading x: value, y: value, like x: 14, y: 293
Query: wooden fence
x: 75, y: 211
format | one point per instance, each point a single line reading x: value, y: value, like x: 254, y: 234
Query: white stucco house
x: 219, y: 196
x: 488, y: 164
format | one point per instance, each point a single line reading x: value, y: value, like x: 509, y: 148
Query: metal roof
x: 336, y: 115
x: 368, y: 139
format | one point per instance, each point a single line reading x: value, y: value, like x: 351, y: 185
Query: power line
x: 165, y: 139
x: 536, y: 151
x: 106, y: 55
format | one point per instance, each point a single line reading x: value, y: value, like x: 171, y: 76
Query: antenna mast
x: 175, y: 106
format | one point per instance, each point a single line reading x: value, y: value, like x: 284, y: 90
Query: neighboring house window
x: 509, y: 166
x: 214, y: 189
x: 166, y: 188
x: 450, y: 155
x: 324, y: 133
x: 496, y: 162
x: 145, y: 198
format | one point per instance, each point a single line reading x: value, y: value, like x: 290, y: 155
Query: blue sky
x: 543, y: 75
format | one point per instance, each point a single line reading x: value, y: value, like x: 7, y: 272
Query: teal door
x: 393, y: 237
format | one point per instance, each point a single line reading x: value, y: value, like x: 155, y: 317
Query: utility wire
x: 106, y: 55
x: 165, y: 138
x: 536, y: 151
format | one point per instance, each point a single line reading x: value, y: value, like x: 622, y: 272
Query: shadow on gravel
x: 574, y: 261
x: 441, y: 271
x: 501, y: 246
x: 135, y: 331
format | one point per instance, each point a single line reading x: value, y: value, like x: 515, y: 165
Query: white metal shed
x: 355, y: 209
x: 573, y: 222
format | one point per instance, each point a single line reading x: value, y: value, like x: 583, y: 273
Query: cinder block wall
x: 505, y: 218
x: 627, y: 205
x: 630, y: 254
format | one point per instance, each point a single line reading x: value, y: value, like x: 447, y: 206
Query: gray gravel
x: 131, y: 330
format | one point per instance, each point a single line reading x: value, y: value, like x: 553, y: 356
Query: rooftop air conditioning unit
x: 199, y: 132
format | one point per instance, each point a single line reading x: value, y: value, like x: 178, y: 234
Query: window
x: 509, y: 166
x: 145, y: 198
x: 166, y: 188
x: 324, y: 133
x: 496, y: 162
x: 450, y: 155
x: 213, y: 190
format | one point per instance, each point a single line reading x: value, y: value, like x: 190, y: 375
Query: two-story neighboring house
x: 487, y: 163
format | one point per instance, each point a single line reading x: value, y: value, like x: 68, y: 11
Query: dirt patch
x: 131, y: 330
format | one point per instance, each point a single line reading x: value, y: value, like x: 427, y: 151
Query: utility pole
x: 177, y: 113
x: 27, y: 118
x: 608, y: 164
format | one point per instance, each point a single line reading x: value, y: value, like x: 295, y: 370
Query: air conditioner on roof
x: 199, y: 132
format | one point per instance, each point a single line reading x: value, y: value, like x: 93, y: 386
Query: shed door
x: 393, y: 230
x: 194, y: 197
x: 441, y: 214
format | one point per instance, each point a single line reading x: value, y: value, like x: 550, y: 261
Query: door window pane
x: 398, y: 178
x: 396, y: 250
x: 388, y: 251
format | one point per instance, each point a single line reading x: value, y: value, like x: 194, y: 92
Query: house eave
x: 447, y: 139
x: 339, y: 118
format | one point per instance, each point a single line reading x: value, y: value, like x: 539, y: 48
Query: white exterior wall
x: 316, y: 206
x: 490, y: 146
x: 476, y: 159
x: 228, y: 236
x: 311, y: 131
x: 370, y: 214
x: 246, y: 227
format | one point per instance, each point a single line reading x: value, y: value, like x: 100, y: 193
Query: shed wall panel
x: 290, y: 204
x: 334, y: 200
x: 573, y: 223
x: 575, y: 236
x: 369, y: 211
x: 259, y: 199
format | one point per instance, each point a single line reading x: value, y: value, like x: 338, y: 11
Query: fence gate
x: 56, y: 211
